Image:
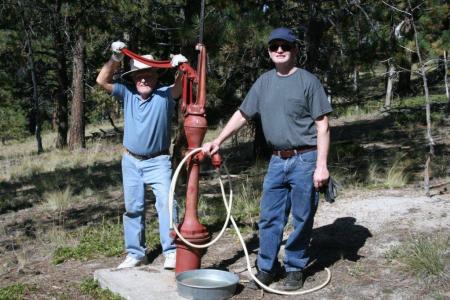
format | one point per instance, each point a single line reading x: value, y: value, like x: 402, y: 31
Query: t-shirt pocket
x: 296, y: 107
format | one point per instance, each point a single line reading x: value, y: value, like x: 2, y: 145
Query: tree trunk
x: 431, y: 143
x: 447, y: 112
x: 76, y: 138
x: 390, y: 84
x: 313, y: 38
x: 61, y: 110
x: 36, y: 110
x: 356, y: 85
x: 35, y: 104
x: 404, y: 77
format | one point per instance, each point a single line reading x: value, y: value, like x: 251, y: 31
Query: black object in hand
x: 329, y: 190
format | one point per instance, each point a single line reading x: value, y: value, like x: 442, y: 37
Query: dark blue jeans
x: 288, y: 187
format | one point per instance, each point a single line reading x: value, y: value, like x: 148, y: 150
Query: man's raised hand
x: 178, y: 59
x: 116, y: 48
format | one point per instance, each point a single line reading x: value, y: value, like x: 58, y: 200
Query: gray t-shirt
x: 287, y: 106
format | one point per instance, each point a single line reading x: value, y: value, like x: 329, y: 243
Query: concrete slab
x: 144, y: 283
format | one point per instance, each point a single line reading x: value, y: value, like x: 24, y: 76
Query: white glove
x: 178, y: 59
x: 116, y: 48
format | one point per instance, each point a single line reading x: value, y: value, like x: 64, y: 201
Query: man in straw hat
x: 148, y: 109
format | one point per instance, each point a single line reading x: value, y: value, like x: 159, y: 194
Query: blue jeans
x: 136, y: 173
x: 288, y: 187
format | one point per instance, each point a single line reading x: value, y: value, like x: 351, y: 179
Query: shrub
x: 426, y: 256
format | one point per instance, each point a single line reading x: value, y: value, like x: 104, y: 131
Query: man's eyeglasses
x: 285, y: 47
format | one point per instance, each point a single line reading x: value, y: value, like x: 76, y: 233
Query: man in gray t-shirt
x: 293, y: 108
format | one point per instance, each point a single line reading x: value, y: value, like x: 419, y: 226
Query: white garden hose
x: 229, y: 217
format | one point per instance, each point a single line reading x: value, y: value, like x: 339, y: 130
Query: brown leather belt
x: 292, y: 152
x: 148, y: 156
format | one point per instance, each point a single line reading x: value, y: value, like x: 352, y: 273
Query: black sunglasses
x: 285, y: 47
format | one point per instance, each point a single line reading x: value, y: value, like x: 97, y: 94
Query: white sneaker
x: 131, y: 262
x: 171, y: 260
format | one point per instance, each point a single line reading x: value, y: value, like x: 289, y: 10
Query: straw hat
x: 137, y: 66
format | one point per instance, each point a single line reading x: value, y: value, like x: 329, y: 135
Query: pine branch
x: 395, y: 8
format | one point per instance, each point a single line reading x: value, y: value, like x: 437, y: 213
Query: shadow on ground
x: 340, y: 240
x: 26, y: 192
x: 331, y: 243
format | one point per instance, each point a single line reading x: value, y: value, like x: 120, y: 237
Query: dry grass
x: 25, y: 166
x: 20, y: 159
x: 374, y: 176
x: 397, y: 175
x: 246, y: 202
x: 27, y: 147
x: 58, y: 201
x: 57, y: 237
x: 425, y: 256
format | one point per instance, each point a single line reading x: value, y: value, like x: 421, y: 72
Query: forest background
x: 383, y: 64
x: 51, y: 53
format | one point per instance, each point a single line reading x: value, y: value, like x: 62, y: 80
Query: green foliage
x: 12, y: 122
x: 92, y: 288
x: 248, y: 195
x: 433, y: 29
x: 419, y: 101
x: 100, y: 105
x: 104, y: 239
x: 336, y: 38
x: 246, y: 203
x: 211, y: 211
x: 13, y: 292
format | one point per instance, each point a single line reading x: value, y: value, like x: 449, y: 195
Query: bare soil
x: 351, y: 237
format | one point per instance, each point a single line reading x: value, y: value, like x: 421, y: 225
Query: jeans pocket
x: 309, y: 157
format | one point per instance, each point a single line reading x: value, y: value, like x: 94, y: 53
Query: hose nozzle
x: 216, y: 160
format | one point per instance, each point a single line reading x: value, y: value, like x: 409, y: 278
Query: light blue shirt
x: 148, y: 121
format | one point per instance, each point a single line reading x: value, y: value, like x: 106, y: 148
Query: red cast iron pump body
x: 195, y: 126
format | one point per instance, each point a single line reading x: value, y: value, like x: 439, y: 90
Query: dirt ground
x: 351, y: 237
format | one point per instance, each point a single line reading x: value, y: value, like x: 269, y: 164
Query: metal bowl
x: 206, y: 284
